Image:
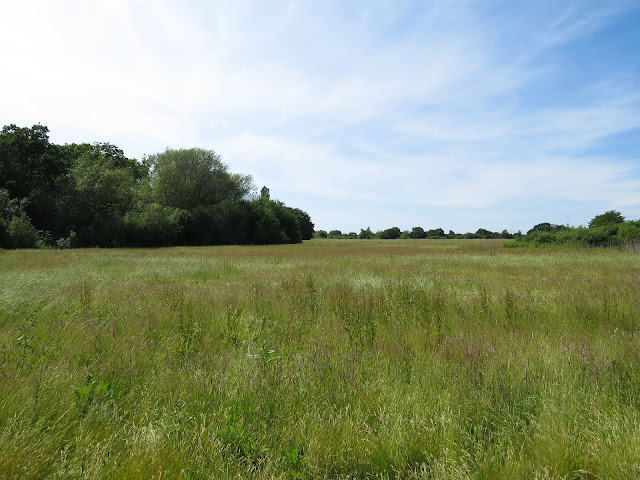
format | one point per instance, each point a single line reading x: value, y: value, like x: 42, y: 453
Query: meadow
x: 417, y: 359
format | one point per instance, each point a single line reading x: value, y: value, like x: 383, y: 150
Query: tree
x: 546, y: 227
x: 289, y: 223
x: 30, y: 167
x: 109, y: 154
x: 436, y: 232
x: 607, y: 218
x: 195, y: 177
x: 22, y: 234
x: 24, y: 160
x: 484, y: 233
x: 390, y: 233
x: 16, y: 228
x: 214, y: 201
x: 417, y: 232
x: 366, y: 234
x: 304, y: 220
x: 99, y: 196
x: 93, y: 195
x: 273, y: 222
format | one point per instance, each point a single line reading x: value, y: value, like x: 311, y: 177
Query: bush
x: 21, y: 233
x: 628, y: 231
x: 66, y: 243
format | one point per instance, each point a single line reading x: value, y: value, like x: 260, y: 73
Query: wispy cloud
x: 398, y: 112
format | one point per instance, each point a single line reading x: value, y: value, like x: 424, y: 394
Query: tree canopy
x: 79, y: 195
x: 611, y: 217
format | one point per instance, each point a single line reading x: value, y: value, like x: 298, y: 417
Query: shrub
x: 607, y: 218
x: 21, y: 233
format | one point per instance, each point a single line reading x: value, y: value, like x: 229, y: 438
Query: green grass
x: 329, y: 359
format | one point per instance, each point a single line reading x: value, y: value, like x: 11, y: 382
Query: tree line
x: 609, y: 229
x: 415, y: 233
x: 92, y: 195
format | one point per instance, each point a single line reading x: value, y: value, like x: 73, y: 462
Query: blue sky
x: 452, y: 114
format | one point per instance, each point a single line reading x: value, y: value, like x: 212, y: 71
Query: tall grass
x: 362, y: 359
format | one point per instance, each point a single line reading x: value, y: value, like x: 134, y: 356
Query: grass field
x: 330, y: 359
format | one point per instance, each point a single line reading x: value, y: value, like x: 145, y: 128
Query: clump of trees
x: 609, y: 229
x: 85, y: 195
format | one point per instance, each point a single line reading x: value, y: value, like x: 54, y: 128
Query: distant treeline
x: 85, y: 195
x: 609, y: 229
x: 416, y: 232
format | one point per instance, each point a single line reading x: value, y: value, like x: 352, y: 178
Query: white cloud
x: 416, y: 105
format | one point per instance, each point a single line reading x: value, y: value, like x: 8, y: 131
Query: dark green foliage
x: 367, y: 234
x: 30, y: 167
x: 28, y: 161
x: 152, y: 225
x: 21, y: 233
x: 101, y: 193
x: 483, y: 233
x: 306, y: 225
x: 224, y: 223
x: 390, y: 233
x: 265, y: 223
x: 215, y: 205
x: 606, y: 230
x: 289, y: 223
x: 611, y: 217
x: 16, y: 229
x: 435, y: 233
x: 417, y: 232
x: 82, y: 195
x: 546, y: 227
x: 106, y: 153
x: 4, y: 235
x: 272, y: 222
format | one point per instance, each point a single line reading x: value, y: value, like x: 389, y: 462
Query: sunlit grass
x: 339, y: 359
